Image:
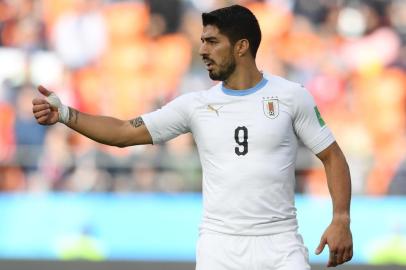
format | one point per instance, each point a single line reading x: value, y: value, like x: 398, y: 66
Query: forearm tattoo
x: 137, y: 122
x: 73, y: 115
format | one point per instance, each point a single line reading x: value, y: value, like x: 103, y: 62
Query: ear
x: 241, y: 47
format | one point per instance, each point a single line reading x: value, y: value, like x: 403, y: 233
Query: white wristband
x: 63, y: 110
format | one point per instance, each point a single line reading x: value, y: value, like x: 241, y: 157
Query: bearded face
x: 217, y: 54
x: 222, y: 70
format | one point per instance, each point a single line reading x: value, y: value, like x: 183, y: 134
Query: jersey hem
x: 274, y: 228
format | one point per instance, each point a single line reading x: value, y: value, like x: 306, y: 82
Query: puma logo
x: 211, y: 108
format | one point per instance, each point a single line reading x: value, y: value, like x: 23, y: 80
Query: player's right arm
x: 103, y: 129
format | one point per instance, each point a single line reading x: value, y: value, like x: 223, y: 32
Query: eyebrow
x: 209, y: 38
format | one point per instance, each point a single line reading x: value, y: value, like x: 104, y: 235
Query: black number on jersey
x: 242, y: 148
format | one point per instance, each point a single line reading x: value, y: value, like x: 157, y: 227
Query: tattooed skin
x: 137, y: 122
x: 73, y: 114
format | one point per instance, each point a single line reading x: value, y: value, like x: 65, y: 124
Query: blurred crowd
x: 124, y: 58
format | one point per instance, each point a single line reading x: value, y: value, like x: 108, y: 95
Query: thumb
x: 321, y: 246
x: 44, y: 91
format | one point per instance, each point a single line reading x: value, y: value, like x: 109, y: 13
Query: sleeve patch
x: 321, y: 121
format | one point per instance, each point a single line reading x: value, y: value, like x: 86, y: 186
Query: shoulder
x: 189, y: 102
x: 293, y: 96
x: 288, y: 92
x: 285, y: 85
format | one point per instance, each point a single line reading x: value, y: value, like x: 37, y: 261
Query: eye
x: 209, y: 40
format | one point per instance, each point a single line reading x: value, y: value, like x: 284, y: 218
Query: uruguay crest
x: 271, y: 107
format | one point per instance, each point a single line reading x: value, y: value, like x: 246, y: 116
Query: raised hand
x: 44, y: 112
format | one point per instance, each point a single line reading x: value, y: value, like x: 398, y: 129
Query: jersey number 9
x: 242, y: 141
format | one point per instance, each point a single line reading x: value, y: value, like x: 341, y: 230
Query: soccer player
x: 247, y: 130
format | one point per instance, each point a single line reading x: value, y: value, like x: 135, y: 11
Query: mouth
x: 209, y: 64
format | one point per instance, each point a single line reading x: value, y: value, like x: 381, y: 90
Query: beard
x: 225, y: 69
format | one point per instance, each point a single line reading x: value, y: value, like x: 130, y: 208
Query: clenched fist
x: 49, y: 110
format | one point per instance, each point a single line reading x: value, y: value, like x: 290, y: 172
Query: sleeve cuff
x: 321, y: 142
x: 156, y: 139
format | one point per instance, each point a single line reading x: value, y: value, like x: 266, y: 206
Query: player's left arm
x: 338, y: 234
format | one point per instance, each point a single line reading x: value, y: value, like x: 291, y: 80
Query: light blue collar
x: 244, y: 92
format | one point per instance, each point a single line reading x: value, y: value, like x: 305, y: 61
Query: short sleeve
x: 170, y: 121
x: 308, y: 123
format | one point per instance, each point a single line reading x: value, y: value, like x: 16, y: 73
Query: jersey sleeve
x: 170, y: 121
x: 308, y: 123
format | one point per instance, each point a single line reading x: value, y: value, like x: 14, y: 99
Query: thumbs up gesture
x: 49, y: 109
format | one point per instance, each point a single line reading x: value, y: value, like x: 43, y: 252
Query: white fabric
x: 251, y: 193
x: 283, y: 251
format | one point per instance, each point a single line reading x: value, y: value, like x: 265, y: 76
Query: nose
x: 203, y: 49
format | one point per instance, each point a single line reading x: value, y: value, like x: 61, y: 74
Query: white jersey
x: 247, y: 142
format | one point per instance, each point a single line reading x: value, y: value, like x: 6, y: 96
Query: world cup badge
x: 271, y: 107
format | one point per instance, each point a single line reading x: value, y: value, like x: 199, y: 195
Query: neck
x: 245, y: 76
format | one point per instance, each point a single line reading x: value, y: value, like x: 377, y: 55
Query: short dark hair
x: 236, y: 22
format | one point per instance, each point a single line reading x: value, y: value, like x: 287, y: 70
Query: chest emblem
x: 271, y: 107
